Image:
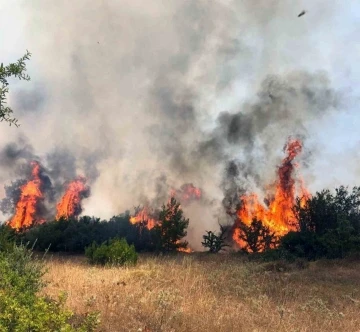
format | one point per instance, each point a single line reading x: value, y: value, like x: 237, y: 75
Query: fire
x: 187, y: 250
x: 144, y: 216
x: 187, y: 193
x: 70, y: 204
x: 25, y: 214
x: 278, y: 215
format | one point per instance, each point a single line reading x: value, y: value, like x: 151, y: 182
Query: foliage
x: 328, y: 225
x: 17, y: 70
x: 21, y: 308
x: 214, y: 242
x: 323, y: 211
x: 7, y: 238
x: 114, y: 252
x: 301, y: 244
x: 257, y: 237
x: 75, y: 235
x: 168, y: 233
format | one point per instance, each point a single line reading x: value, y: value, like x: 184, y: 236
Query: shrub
x: 302, y: 244
x: 114, y: 252
x: 21, y: 308
x: 214, y: 242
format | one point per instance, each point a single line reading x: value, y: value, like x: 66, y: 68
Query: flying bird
x: 302, y: 13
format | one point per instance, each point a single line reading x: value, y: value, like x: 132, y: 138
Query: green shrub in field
x: 21, y: 308
x: 114, y: 252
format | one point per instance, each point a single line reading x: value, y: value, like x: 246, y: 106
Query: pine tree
x: 172, y: 227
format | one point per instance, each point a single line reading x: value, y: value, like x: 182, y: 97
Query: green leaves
x: 113, y: 252
x: 18, y: 70
x: 21, y: 306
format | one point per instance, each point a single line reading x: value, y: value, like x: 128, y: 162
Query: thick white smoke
x: 130, y: 93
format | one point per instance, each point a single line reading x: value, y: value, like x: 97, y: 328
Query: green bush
x: 113, y: 252
x: 21, y: 308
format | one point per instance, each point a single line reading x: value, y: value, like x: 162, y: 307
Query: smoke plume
x: 140, y: 98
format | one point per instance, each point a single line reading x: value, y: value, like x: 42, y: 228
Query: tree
x: 214, y: 242
x: 171, y: 228
x: 16, y: 69
x: 257, y: 237
x: 328, y: 225
x: 323, y: 211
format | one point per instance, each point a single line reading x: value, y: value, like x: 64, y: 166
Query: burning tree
x: 278, y: 216
x: 171, y: 228
x: 70, y: 204
x: 144, y: 217
x: 18, y: 70
x: 256, y: 237
x: 30, y: 197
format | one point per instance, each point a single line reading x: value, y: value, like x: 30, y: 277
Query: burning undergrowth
x: 35, y: 200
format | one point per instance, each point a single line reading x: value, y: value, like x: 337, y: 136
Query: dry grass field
x: 211, y: 293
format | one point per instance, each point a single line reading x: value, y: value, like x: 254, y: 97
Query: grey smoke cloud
x: 141, y: 97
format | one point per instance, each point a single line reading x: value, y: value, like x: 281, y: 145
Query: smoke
x: 141, y: 97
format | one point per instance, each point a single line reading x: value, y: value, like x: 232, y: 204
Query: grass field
x: 212, y: 293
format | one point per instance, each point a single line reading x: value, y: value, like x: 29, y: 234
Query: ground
x: 200, y: 292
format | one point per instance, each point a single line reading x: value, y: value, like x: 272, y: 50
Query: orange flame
x: 30, y: 195
x: 144, y: 216
x: 187, y: 250
x: 187, y: 193
x: 70, y: 204
x: 278, y: 215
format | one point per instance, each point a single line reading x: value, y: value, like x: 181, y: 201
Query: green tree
x: 323, y: 211
x: 171, y: 228
x: 328, y: 225
x: 16, y: 69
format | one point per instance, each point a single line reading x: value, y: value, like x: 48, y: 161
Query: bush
x: 302, y: 244
x: 214, y: 242
x: 21, y: 308
x: 114, y: 252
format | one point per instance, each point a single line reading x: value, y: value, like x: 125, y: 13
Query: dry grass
x: 211, y: 293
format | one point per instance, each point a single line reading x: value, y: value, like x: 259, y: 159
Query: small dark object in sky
x: 302, y: 13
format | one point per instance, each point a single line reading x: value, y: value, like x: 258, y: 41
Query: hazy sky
x: 114, y: 81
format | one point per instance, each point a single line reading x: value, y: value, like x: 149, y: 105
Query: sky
x: 134, y: 93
